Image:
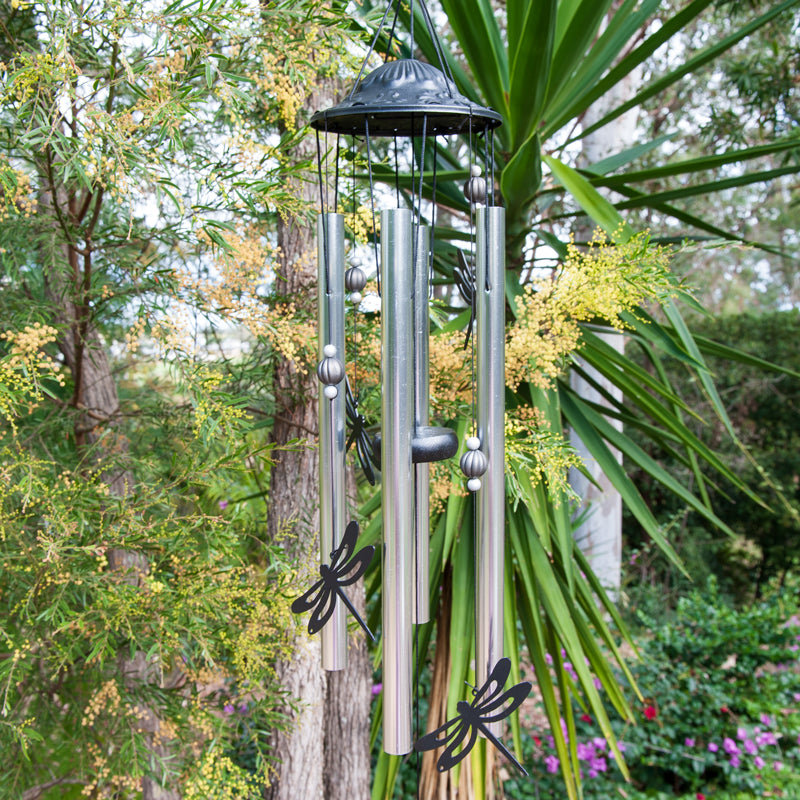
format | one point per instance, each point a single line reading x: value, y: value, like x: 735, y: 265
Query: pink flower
x: 766, y: 719
x: 777, y: 765
x: 650, y: 712
x: 741, y: 734
x: 223, y: 504
x: 688, y: 742
x: 735, y: 763
x: 750, y: 747
x: 228, y: 708
x: 730, y: 747
x: 759, y: 762
x: 700, y: 796
x: 551, y: 762
x: 377, y: 688
x: 712, y: 747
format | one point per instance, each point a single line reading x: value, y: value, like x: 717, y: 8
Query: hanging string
x: 433, y: 219
x: 411, y: 27
x: 336, y: 178
x: 324, y: 219
x: 473, y: 271
x: 372, y: 203
x: 391, y: 32
x: 486, y: 213
x: 396, y: 174
x: 371, y: 49
x: 437, y: 45
x: 355, y: 307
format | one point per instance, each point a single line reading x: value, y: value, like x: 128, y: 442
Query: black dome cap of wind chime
x: 394, y: 99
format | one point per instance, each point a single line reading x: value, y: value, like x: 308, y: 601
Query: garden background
x: 158, y: 421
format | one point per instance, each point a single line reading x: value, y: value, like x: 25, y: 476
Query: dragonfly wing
x: 505, y: 705
x: 356, y: 567
x: 342, y: 553
x: 309, y: 599
x: 450, y: 757
x: 323, y: 611
x: 452, y: 732
x: 493, y: 687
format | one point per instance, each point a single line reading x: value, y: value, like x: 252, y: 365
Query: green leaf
x: 589, y: 199
x: 531, y: 30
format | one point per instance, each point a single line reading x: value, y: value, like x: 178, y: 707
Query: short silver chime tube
x: 397, y: 412
x: 490, y: 380
x: 330, y: 265
x: 420, y: 611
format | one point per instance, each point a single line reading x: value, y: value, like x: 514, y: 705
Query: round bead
x: 473, y: 484
x: 355, y: 279
x: 330, y: 371
x: 329, y: 351
x: 330, y: 392
x: 355, y: 298
x: 475, y: 190
x: 473, y: 443
x: 473, y: 463
x: 355, y: 261
x: 475, y: 170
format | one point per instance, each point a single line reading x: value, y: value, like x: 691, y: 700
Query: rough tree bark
x: 326, y: 752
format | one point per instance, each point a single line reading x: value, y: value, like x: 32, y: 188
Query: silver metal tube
x: 397, y: 414
x: 490, y: 369
x: 420, y: 611
x: 330, y: 248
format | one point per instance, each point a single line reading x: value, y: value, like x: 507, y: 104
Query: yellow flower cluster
x: 599, y: 283
x: 16, y: 192
x: 216, y: 777
x: 450, y: 376
x: 535, y: 449
x: 24, y: 368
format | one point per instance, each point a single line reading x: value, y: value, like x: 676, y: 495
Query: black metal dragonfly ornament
x: 344, y: 570
x: 458, y: 735
x: 465, y: 283
x: 357, y: 424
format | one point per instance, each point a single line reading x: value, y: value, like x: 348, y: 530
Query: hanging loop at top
x: 394, y: 98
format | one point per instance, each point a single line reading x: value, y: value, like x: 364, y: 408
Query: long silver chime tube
x: 397, y: 413
x: 490, y: 379
x: 330, y: 246
x: 420, y: 611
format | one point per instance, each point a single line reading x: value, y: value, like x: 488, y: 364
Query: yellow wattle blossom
x: 599, y: 283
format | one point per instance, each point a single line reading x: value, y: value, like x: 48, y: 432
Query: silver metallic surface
x: 420, y: 611
x: 330, y: 242
x: 397, y: 414
x: 490, y: 369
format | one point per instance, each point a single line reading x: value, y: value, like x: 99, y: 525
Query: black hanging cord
x: 411, y: 26
x: 372, y: 203
x: 396, y: 174
x: 324, y: 219
x: 433, y: 214
x: 336, y: 177
x: 371, y: 50
x: 436, y: 43
x: 355, y: 307
x: 391, y: 32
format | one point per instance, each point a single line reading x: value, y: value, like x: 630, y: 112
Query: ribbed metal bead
x: 355, y: 279
x: 330, y: 371
x: 474, y: 463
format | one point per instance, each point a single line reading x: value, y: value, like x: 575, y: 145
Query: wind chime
x: 413, y: 103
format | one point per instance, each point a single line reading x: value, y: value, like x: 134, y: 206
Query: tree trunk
x: 600, y: 534
x: 325, y: 754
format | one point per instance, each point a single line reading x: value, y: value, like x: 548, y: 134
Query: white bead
x: 473, y: 443
x: 329, y: 351
x: 355, y: 298
x: 473, y: 484
x: 330, y: 392
x: 475, y: 170
x: 355, y: 261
